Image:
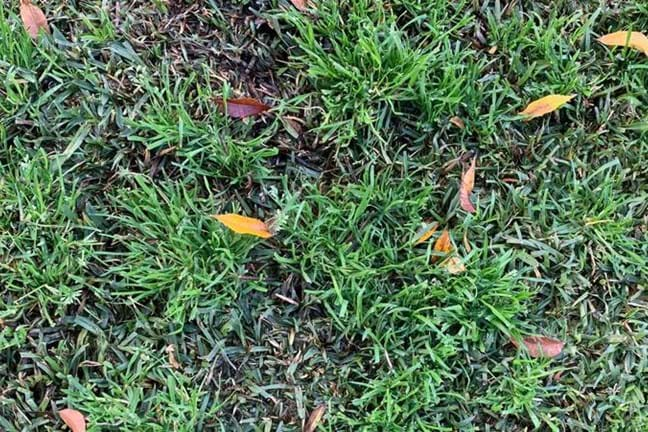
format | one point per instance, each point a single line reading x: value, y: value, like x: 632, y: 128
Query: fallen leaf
x: 314, y: 419
x: 33, y: 18
x: 541, y: 346
x: 244, y: 225
x: 170, y: 350
x: 242, y: 107
x: 454, y: 265
x: 545, y: 105
x: 301, y: 5
x: 635, y: 40
x: 492, y: 50
x: 458, y: 122
x: 443, y: 243
x: 466, y: 188
x: 425, y: 233
x: 73, y: 419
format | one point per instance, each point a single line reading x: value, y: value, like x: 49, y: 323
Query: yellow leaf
x: 73, y: 419
x: 545, y: 105
x: 635, y: 40
x: 454, y: 265
x: 244, y: 225
x: 443, y: 243
x: 315, y: 418
x: 425, y: 233
x: 33, y: 18
x: 467, y: 185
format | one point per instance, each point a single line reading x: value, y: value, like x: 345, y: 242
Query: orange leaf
x: 443, y: 243
x: 244, y: 225
x: 458, y: 122
x: 425, y: 233
x: 242, y: 107
x: 302, y: 5
x: 635, y: 40
x: 454, y: 265
x: 467, y: 185
x: 74, y: 419
x: 545, y: 105
x: 541, y: 346
x: 314, y: 418
x: 33, y: 18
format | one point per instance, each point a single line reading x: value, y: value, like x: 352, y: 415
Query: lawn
x: 123, y: 298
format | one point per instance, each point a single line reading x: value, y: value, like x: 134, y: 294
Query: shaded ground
x: 113, y: 155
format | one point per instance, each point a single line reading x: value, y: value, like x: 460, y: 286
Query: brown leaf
x: 443, y: 243
x: 73, y: 419
x: 541, y: 346
x: 545, y: 105
x: 170, y: 350
x: 635, y: 40
x: 425, y: 233
x: 458, y: 122
x: 242, y: 107
x: 466, y: 188
x: 302, y: 5
x: 33, y: 18
x: 244, y: 225
x: 314, y: 418
x: 454, y: 265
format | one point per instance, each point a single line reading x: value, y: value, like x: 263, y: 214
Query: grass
x: 113, y: 157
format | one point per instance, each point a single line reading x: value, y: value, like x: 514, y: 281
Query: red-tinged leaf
x: 458, y: 122
x: 466, y: 188
x: 541, y: 346
x: 314, y: 419
x: 425, y: 233
x: 73, y: 419
x: 242, y: 107
x: 244, y: 225
x: 545, y: 105
x: 33, y: 18
x: 635, y: 40
x: 301, y: 5
x: 443, y: 243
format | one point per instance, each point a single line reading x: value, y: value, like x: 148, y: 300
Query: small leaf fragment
x: 635, y: 40
x: 443, y: 243
x: 170, y: 350
x: 33, y: 18
x: 541, y: 346
x: 242, y: 107
x: 454, y: 265
x: 244, y: 225
x: 458, y: 122
x: 73, y: 419
x: 314, y: 419
x: 466, y: 188
x: 425, y: 233
x: 301, y: 5
x: 545, y: 105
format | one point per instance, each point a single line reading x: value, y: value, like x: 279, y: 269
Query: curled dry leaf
x: 458, y: 122
x: 244, y: 225
x: 425, y: 233
x: 466, y: 188
x: 33, y: 18
x: 170, y: 350
x: 242, y: 107
x: 302, y: 5
x: 443, y: 243
x: 635, y: 40
x: 545, y: 105
x: 73, y: 419
x: 541, y: 346
x: 314, y: 419
x: 454, y: 265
